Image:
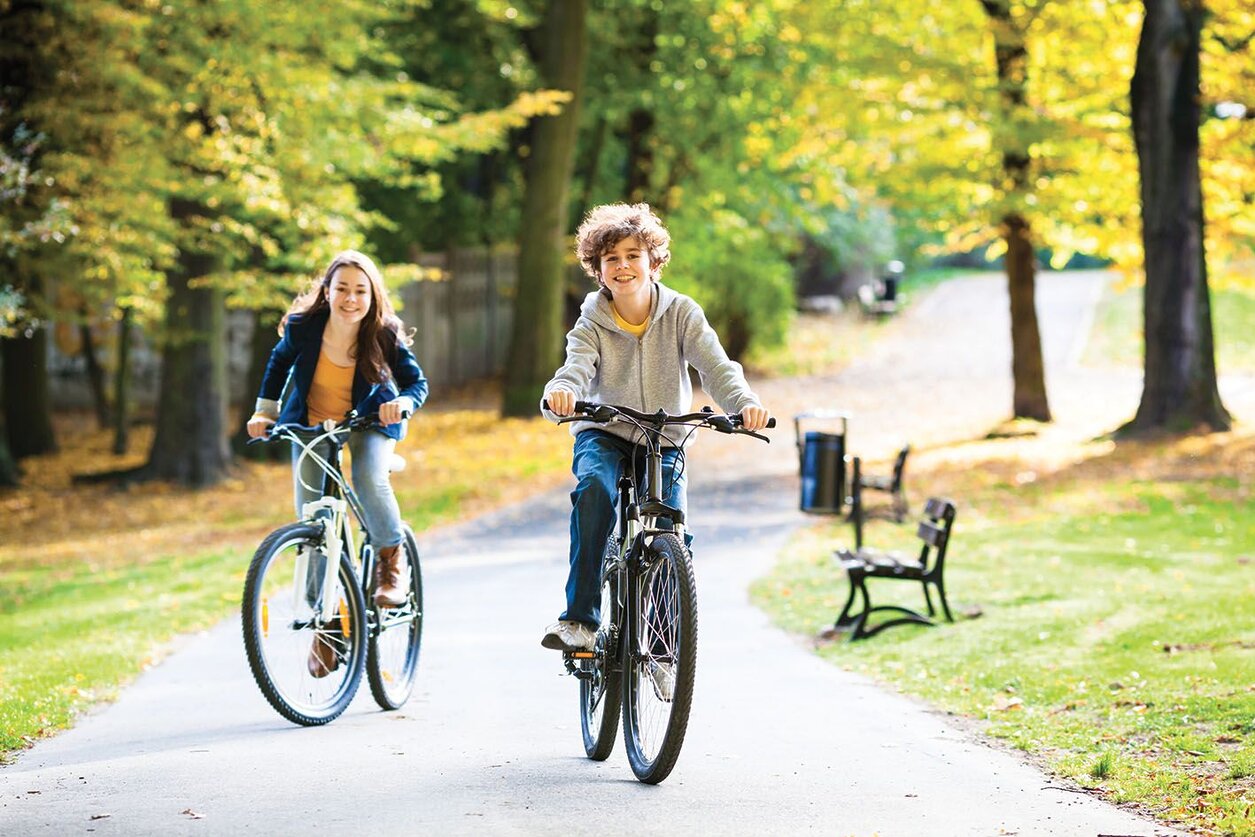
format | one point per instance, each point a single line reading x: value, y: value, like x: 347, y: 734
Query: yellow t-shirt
x: 331, y: 392
x: 634, y: 329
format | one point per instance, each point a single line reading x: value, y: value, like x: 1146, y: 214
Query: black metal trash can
x: 823, y: 472
x: 891, y: 288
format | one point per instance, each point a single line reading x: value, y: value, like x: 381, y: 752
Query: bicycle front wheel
x: 308, y: 668
x: 661, y: 659
x: 601, y: 691
x: 392, y: 659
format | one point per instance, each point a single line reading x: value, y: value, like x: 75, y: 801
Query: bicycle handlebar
x: 604, y: 413
x: 351, y: 422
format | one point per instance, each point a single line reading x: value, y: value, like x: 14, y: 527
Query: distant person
x: 344, y: 349
x: 632, y: 345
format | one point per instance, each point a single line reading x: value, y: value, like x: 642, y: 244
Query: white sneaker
x: 663, y: 675
x: 568, y: 636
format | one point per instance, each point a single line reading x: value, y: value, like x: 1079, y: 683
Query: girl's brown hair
x: 606, y: 225
x: 381, y: 329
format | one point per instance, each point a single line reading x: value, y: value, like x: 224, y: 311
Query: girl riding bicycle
x: 344, y: 348
x: 633, y: 344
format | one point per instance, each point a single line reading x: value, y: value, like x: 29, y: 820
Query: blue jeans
x: 372, y: 482
x: 598, y: 461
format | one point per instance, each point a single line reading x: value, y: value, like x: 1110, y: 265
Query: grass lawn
x: 95, y: 581
x: 1110, y: 601
x: 1118, y: 329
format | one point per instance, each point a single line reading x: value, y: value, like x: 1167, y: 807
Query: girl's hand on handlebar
x: 393, y: 411
x: 754, y: 418
x: 561, y: 402
x: 258, y: 426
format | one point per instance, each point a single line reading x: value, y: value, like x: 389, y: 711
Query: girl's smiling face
x: 349, y: 295
x: 625, y: 268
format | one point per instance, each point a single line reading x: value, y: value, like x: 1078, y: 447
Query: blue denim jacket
x: 295, y: 357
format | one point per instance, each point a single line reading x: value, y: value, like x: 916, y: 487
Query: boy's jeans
x: 598, y: 461
x: 372, y: 453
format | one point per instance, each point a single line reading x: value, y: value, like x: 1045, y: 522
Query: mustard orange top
x: 637, y: 330
x: 331, y: 391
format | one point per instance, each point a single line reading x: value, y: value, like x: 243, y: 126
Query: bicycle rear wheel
x: 601, y: 694
x: 282, y: 623
x: 661, y: 659
x: 392, y: 656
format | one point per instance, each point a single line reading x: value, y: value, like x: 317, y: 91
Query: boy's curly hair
x: 606, y: 225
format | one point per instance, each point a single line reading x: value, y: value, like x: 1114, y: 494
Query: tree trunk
x: 1179, y: 390
x: 536, y: 341
x: 9, y: 476
x: 640, y: 127
x: 1027, y: 366
x: 26, y: 402
x: 263, y: 342
x: 122, y: 386
x: 95, y: 374
x: 640, y: 163
x: 190, y: 446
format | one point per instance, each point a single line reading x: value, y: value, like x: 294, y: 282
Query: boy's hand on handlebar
x: 259, y: 426
x: 754, y: 418
x: 394, y: 411
x: 561, y: 402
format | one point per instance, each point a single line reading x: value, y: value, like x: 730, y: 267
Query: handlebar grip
x: 771, y: 422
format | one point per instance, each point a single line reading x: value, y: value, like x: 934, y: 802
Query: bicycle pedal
x: 584, y: 655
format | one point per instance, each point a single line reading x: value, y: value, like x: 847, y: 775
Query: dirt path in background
x: 943, y: 376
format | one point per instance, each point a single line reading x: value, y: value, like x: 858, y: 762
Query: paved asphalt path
x: 779, y: 741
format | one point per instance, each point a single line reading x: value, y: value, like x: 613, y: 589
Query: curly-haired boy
x: 632, y: 345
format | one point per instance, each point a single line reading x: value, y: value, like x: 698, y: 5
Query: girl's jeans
x: 598, y: 461
x: 371, y: 454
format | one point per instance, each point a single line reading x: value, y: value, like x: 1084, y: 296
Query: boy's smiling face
x: 625, y: 268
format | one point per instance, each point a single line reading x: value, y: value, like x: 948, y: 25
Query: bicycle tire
x: 391, y: 660
x: 296, y: 694
x: 601, y: 697
x: 663, y: 629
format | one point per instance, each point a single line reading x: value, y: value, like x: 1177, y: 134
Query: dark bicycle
x: 643, y: 662
x: 310, y: 583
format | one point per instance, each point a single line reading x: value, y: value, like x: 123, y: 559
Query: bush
x: 735, y: 273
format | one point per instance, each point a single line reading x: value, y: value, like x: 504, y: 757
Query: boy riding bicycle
x: 632, y: 345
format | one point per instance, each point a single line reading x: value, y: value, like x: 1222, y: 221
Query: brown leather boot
x: 388, y: 589
x: 322, y: 655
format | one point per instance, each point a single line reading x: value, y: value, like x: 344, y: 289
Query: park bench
x: 891, y: 484
x: 863, y: 563
x: 874, y: 303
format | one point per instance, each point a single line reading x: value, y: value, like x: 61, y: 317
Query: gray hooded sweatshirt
x: 607, y: 365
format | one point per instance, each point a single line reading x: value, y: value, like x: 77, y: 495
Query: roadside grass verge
x: 1115, y: 593
x: 95, y: 581
x: 1118, y: 328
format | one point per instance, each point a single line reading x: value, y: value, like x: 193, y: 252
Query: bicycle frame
x: 329, y: 511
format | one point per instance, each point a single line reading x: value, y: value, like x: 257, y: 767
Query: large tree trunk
x: 1027, y: 366
x: 1179, y: 390
x: 26, y: 402
x: 536, y: 341
x: 190, y: 446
